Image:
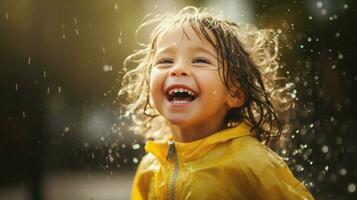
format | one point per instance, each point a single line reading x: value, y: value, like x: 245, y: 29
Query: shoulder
x: 250, y: 153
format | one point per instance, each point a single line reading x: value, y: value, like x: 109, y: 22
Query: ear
x: 238, y: 98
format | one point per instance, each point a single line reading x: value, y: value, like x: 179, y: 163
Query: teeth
x: 176, y: 90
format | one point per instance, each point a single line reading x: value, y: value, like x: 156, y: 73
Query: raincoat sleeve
x: 273, y: 179
x: 142, y: 180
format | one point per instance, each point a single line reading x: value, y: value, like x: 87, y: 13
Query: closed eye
x: 201, y: 60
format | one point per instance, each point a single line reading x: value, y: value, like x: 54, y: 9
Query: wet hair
x: 248, y: 58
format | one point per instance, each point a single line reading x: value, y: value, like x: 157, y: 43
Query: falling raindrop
x: 29, y: 60
x: 351, y: 188
x: 6, y: 15
x: 319, y: 4
x: 16, y: 87
x: 107, y: 68
x: 23, y: 114
x: 116, y: 7
x: 44, y: 74
x: 59, y: 89
x: 75, y: 20
x: 343, y: 172
x: 66, y: 129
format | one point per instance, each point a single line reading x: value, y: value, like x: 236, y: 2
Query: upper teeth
x: 175, y: 90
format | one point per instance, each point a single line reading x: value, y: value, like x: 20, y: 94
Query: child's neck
x: 195, y: 132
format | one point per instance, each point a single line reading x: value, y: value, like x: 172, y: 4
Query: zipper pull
x: 171, y: 154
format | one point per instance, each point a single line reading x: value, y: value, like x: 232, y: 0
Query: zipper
x: 172, y: 157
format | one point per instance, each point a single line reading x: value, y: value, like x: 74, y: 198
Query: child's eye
x: 201, y: 60
x: 165, y: 61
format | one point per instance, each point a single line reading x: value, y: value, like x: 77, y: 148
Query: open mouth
x: 180, y: 95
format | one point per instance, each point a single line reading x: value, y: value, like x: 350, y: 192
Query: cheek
x: 156, y: 83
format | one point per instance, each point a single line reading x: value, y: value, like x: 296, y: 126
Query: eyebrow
x: 197, y: 48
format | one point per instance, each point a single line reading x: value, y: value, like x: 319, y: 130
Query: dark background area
x: 60, y: 71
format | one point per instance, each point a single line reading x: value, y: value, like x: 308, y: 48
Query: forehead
x: 184, y: 34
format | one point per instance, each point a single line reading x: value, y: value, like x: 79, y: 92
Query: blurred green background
x: 62, y: 131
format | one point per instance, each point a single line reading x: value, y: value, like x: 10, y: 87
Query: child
x: 205, y: 91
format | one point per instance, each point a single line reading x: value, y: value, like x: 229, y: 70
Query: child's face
x: 185, y: 84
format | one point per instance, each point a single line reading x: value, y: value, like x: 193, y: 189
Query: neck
x: 195, y: 132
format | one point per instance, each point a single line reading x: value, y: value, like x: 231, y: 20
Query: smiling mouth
x: 180, y: 95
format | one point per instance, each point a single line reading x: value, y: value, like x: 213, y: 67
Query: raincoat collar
x: 196, y: 149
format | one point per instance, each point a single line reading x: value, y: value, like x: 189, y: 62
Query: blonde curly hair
x: 248, y: 58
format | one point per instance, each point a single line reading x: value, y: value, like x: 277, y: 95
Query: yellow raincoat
x: 230, y: 164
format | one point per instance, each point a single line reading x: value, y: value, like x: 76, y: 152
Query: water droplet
x: 136, y: 146
x: 23, y: 114
x: 116, y: 7
x: 6, y: 15
x: 340, y: 56
x: 48, y: 90
x: 63, y: 36
x: 324, y: 149
x: 351, y: 188
x: 343, y: 172
x: 29, y: 60
x: 75, y: 20
x: 111, y: 158
x: 345, y: 6
x: 16, y: 87
x: 135, y: 160
x: 76, y: 31
x: 104, y: 50
x: 44, y: 74
x: 319, y: 4
x: 309, y: 39
x: 102, y: 138
x: 107, y: 68
x: 66, y: 129
x: 323, y: 11
x: 85, y: 144
x: 59, y: 89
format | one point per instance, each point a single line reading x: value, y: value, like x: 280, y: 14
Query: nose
x: 180, y: 69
